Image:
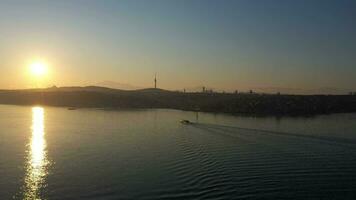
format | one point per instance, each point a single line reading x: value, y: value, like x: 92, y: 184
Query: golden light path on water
x: 37, y: 161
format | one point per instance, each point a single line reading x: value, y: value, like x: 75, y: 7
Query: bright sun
x: 38, y: 68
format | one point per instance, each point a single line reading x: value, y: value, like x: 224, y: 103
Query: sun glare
x: 38, y: 68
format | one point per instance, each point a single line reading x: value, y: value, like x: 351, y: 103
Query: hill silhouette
x: 242, y: 103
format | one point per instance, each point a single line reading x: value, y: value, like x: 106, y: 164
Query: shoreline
x: 241, y: 104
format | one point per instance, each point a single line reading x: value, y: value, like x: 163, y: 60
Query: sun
x: 38, y: 68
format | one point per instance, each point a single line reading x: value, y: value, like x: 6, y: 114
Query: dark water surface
x: 55, y: 153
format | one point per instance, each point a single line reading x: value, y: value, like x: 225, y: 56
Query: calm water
x: 54, y: 153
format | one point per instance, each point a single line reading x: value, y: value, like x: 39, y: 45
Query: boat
x: 184, y: 121
x: 71, y: 108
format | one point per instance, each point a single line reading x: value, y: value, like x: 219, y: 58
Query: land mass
x: 233, y: 103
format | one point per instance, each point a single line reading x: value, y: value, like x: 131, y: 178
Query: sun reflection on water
x: 37, y: 161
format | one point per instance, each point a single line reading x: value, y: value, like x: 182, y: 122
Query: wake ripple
x: 222, y: 162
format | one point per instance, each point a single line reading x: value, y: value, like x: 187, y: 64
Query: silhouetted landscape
x: 233, y: 103
x: 178, y: 99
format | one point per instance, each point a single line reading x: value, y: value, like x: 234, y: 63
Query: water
x: 54, y: 153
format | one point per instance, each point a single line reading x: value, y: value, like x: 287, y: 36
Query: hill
x: 242, y: 103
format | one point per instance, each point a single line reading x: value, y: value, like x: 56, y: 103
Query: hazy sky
x: 237, y: 44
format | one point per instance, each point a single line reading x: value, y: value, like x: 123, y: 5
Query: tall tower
x: 155, y: 81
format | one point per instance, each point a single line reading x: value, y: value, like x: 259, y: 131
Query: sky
x: 277, y: 45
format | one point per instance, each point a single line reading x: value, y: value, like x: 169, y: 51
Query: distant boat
x: 72, y: 108
x: 187, y: 122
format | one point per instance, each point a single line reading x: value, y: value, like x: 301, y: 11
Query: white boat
x: 184, y: 121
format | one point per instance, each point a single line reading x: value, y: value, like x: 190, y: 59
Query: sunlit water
x: 55, y: 153
x: 36, y: 168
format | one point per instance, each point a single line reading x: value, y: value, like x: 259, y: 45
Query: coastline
x: 227, y: 103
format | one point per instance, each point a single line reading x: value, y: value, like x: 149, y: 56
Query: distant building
x: 155, y: 81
